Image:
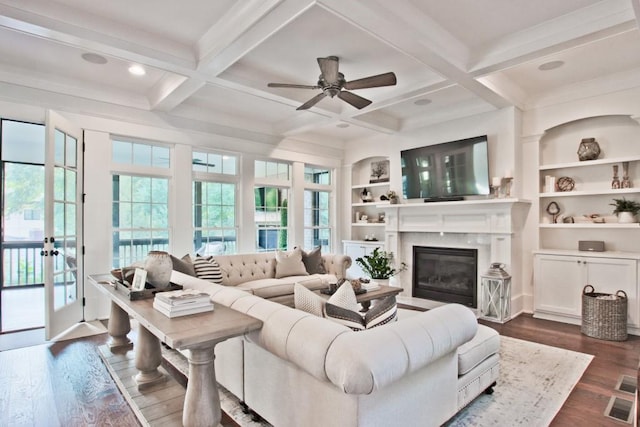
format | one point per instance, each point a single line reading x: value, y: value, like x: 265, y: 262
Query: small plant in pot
x: 626, y: 210
x: 379, y: 265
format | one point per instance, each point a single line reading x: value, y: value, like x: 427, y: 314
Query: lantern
x: 496, y: 294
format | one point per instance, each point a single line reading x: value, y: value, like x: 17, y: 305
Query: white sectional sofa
x: 300, y: 369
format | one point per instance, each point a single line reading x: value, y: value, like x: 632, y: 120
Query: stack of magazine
x: 182, y: 302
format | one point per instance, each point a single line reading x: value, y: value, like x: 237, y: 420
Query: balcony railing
x: 22, y: 264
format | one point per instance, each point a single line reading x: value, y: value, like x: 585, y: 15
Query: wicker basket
x: 605, y: 319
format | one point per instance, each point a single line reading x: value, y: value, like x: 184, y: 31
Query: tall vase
x: 159, y: 266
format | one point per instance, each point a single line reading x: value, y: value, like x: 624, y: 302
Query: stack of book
x: 182, y: 302
x: 371, y: 286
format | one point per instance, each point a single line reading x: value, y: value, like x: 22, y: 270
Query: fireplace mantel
x: 485, y: 216
x: 492, y: 226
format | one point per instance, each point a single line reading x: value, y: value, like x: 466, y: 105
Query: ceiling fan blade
x: 386, y: 79
x: 293, y: 86
x: 313, y: 101
x: 329, y: 68
x: 353, y: 99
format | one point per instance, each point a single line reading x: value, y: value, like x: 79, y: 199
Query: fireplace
x: 446, y: 274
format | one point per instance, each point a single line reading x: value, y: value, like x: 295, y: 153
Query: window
x: 140, y: 217
x: 140, y: 154
x: 272, y: 218
x: 214, y: 203
x: 214, y: 163
x: 317, y: 175
x: 317, y: 213
x: 273, y: 170
x: 271, y: 195
x: 140, y: 209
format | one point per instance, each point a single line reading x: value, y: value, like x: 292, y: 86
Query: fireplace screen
x: 446, y: 274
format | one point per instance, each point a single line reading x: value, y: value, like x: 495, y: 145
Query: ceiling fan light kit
x: 332, y: 83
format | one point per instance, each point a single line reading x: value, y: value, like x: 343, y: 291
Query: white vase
x: 159, y: 266
x: 626, y: 218
x: 383, y: 282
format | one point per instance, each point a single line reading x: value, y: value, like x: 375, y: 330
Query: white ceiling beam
x: 428, y: 46
x: 240, y: 18
x: 219, y: 58
x: 92, y: 41
x: 591, y: 23
x: 172, y: 90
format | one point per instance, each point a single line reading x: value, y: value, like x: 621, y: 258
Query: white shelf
x: 377, y: 184
x: 365, y: 204
x: 635, y: 225
x: 588, y: 163
x: 590, y: 193
x: 368, y: 224
x: 604, y: 254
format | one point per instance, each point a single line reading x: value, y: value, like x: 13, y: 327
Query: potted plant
x: 626, y: 210
x: 379, y: 265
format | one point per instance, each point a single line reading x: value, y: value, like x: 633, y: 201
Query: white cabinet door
x: 608, y: 275
x: 356, y: 250
x: 558, y: 284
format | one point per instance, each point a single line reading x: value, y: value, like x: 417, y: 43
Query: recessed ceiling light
x: 94, y: 58
x: 423, y: 101
x: 137, y: 70
x: 342, y: 125
x: 552, y: 65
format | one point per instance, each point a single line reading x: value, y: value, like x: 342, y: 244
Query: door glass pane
x: 58, y: 219
x: 59, y: 290
x: 71, y: 151
x: 59, y: 154
x: 58, y: 183
x: 70, y: 220
x: 70, y: 184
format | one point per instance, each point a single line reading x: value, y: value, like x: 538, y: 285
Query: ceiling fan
x: 333, y: 83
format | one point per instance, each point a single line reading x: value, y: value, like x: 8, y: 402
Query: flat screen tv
x: 447, y: 171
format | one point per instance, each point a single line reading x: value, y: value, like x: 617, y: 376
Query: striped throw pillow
x: 383, y: 312
x: 208, y: 269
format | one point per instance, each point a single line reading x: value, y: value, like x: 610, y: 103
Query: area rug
x: 534, y: 382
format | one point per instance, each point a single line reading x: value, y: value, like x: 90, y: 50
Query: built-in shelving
x: 589, y: 163
x: 590, y: 193
x: 634, y: 226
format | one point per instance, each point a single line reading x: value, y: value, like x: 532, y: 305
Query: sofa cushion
x: 290, y: 264
x: 207, y: 268
x: 313, y: 261
x: 183, y: 265
x: 271, y: 288
x: 485, y: 343
x: 382, y: 313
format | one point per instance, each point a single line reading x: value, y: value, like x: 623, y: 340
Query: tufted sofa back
x: 240, y: 268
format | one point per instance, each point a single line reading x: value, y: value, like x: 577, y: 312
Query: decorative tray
x: 331, y: 292
x: 148, y: 292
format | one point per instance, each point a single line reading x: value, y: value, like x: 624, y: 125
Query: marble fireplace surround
x: 492, y: 226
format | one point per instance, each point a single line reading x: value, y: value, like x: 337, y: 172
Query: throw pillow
x: 290, y: 264
x: 207, y: 269
x: 306, y: 300
x: 312, y: 261
x: 183, y: 265
x: 382, y: 313
x: 309, y: 301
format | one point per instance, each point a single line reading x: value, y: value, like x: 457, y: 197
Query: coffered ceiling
x: 208, y: 62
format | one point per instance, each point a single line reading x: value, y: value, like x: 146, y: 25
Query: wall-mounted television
x: 447, y: 171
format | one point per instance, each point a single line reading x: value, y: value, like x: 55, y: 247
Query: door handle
x: 52, y: 252
x: 44, y: 253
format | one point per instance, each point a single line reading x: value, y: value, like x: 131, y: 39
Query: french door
x: 62, y: 246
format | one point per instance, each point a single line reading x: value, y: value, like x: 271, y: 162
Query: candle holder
x: 506, y: 183
x: 495, y: 191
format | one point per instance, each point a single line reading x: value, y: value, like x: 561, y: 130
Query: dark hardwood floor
x: 66, y: 383
x: 589, y: 399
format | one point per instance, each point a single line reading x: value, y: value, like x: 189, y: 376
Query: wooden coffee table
x: 380, y: 293
x: 198, y: 333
